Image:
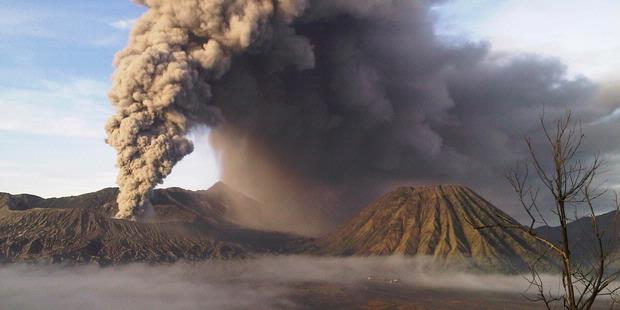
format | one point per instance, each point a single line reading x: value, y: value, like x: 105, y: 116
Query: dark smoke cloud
x: 340, y: 100
x: 388, y: 103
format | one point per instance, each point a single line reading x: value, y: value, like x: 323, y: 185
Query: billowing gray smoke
x: 162, y: 80
x: 322, y: 104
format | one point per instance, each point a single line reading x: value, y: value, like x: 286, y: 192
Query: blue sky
x: 583, y: 34
x: 55, y: 67
x: 56, y: 62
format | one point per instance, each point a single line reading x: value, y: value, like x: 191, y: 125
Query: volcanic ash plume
x: 162, y: 82
x: 316, y: 106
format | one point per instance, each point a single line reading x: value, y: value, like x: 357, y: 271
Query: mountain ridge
x: 195, y: 225
x: 186, y: 225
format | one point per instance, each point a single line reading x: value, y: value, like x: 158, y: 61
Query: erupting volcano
x: 309, y: 154
x: 316, y: 107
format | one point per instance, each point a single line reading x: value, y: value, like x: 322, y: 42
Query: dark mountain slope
x: 583, y: 237
x: 186, y: 225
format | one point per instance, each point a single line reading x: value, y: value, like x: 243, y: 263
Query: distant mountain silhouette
x: 583, y: 238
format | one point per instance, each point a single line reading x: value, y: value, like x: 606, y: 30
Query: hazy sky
x: 55, y: 67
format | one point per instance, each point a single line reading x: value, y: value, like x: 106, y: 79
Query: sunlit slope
x: 434, y: 221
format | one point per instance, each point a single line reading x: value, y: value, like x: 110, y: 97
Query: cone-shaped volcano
x: 435, y: 221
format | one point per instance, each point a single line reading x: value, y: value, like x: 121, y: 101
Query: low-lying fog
x: 262, y: 283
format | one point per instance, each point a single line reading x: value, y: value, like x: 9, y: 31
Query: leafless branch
x: 569, y: 182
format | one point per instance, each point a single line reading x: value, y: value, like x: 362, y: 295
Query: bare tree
x: 570, y: 183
